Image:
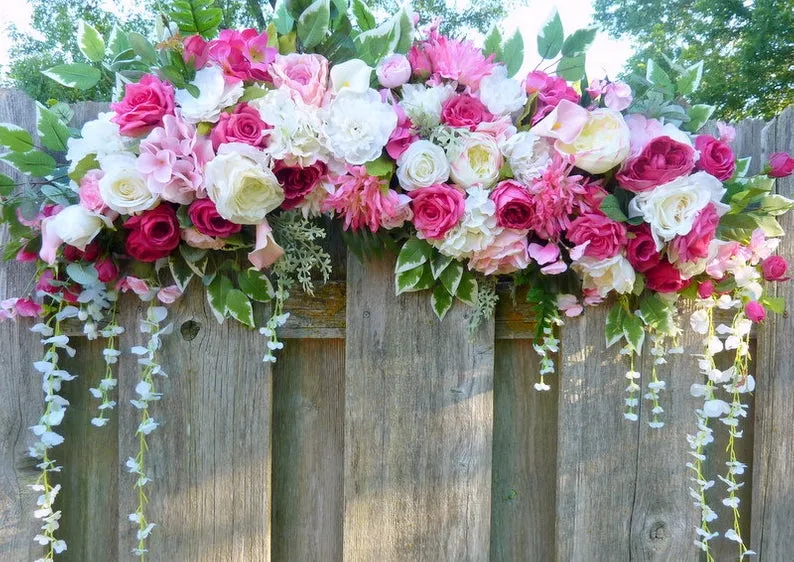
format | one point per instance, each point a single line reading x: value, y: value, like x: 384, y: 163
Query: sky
x: 606, y: 56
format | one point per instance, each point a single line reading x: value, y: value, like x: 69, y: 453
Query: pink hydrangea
x: 556, y: 196
x: 507, y: 253
x: 450, y: 59
x: 365, y: 201
x: 172, y: 159
x: 243, y: 54
x: 551, y: 90
x: 304, y: 74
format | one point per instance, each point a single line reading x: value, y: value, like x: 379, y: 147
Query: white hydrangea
x: 358, y: 125
x: 527, y: 154
x: 423, y: 104
x: 100, y: 137
x: 477, y: 229
x: 500, y: 94
x: 215, y: 95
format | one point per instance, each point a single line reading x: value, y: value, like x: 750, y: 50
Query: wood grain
x: 418, y: 426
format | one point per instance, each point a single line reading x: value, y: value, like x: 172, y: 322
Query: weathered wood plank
x: 773, y: 487
x: 418, y: 426
x: 211, y: 459
x: 308, y: 451
x: 524, y: 457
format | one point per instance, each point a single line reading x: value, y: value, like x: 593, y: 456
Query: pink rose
x: 665, y: 278
x: 393, y: 71
x: 774, y: 268
x: 106, y: 270
x: 436, y: 209
x: 660, y: 161
x: 781, y: 165
x: 243, y: 125
x: 641, y: 250
x: 196, y: 51
x: 90, y: 197
x: 144, y: 105
x: 617, y: 96
x: 716, y: 157
x: 206, y: 219
x: 506, y: 254
x: 606, y: 237
x: 695, y: 244
x: 305, y: 75
x: 755, y: 311
x: 464, y: 110
x: 514, y: 206
x: 243, y: 54
x: 550, y: 91
x: 403, y: 135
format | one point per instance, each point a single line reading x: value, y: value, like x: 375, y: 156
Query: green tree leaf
x: 313, y: 23
x: 578, y: 42
x: 493, y: 43
x: 613, y: 330
x: 33, y: 162
x: 239, y: 307
x: 572, y: 68
x: 180, y: 270
x: 698, y: 115
x: 217, y: 291
x: 53, y: 134
x: 451, y: 277
x: 513, y: 53
x: 406, y: 281
x: 143, y: 48
x: 15, y: 138
x: 657, y: 313
x: 439, y: 263
x: 441, y: 301
x: 76, y: 75
x: 7, y: 185
x: 117, y: 42
x: 467, y: 289
x: 197, y: 16
x: 689, y: 81
x: 550, y: 36
x: 90, y: 42
x: 634, y: 332
x: 363, y: 15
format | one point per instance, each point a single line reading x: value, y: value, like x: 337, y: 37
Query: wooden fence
x: 384, y: 435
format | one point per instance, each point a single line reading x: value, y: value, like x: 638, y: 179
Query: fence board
x: 418, y: 425
x: 524, y: 457
x: 211, y: 460
x: 308, y: 451
x: 773, y: 487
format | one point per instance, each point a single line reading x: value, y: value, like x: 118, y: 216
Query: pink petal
x: 544, y: 254
x: 555, y: 268
x: 266, y: 251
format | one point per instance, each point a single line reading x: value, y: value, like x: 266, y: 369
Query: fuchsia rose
x: 437, y: 209
x: 144, y: 105
x: 716, y: 157
x: 695, y: 244
x: 90, y: 254
x: 705, y: 289
x: 641, y: 250
x: 243, y: 125
x: 755, y: 311
x: 106, y: 270
x: 298, y: 182
x: 550, y: 90
x: 393, y: 71
x: 243, y: 54
x: 606, y: 237
x: 196, y: 51
x: 781, y: 165
x: 464, y: 110
x: 514, y: 205
x: 774, y: 268
x: 206, y: 219
x: 305, y: 75
x: 507, y: 253
x: 665, y: 278
x: 90, y: 198
x: 153, y: 234
x: 403, y: 135
x: 660, y: 161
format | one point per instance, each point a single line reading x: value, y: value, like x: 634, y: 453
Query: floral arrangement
x: 221, y: 149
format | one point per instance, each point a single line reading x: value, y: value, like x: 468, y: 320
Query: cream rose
x: 74, y: 225
x: 242, y: 185
x: 422, y: 164
x: 475, y: 160
x: 123, y: 188
x: 527, y: 154
x: 611, y: 274
x: 671, y: 208
x: 602, y: 144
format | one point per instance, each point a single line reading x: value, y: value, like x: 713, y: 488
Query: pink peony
x: 305, y: 75
x: 507, y: 253
x: 550, y: 91
x: 144, y: 105
x: 402, y: 136
x: 243, y: 54
x: 774, y: 268
x: 660, y: 161
x: 607, y: 237
x: 514, y: 205
x: 450, y: 59
x: 90, y: 197
x: 243, y: 125
x: 393, y: 71
x: 716, y: 157
x: 463, y: 110
x: 436, y: 209
x: 755, y: 311
x: 781, y: 165
x: 196, y: 51
x: 695, y: 244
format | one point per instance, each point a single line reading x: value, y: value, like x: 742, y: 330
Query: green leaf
x: 613, y: 329
x: 296, y: 7
x: 283, y: 20
x: 252, y: 92
x: 197, y: 16
x: 256, y: 285
x: 698, y: 115
x: 571, y: 68
x: 363, y: 15
x: 15, y: 138
x: 217, y: 291
x: 404, y: 31
x: 83, y: 167
x: 313, y: 23
x: 550, y: 36
x: 771, y: 227
x: 689, y: 81
x: 382, y: 167
x: 467, y: 289
x: 451, y: 277
x: 513, y: 53
x: 406, y: 281
x: 441, y: 301
x: 657, y: 313
x: 742, y: 167
x: 776, y: 204
x: 610, y: 206
x: 578, y: 42
x: 90, y: 42
x: 774, y: 304
x: 117, y: 42
x: 634, y: 331
x: 414, y: 253
x: 143, y: 48
x: 76, y: 75
x: 82, y: 274
x: 438, y: 263
x: 7, y: 185
x: 374, y: 44
x: 426, y: 281
x: 239, y: 307
x: 180, y: 270
x: 493, y: 43
x: 53, y: 134
x: 33, y: 162
x: 656, y: 75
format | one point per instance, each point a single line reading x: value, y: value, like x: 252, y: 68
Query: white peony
x: 297, y: 136
x: 358, y: 125
x: 123, y: 188
x: 99, y: 137
x: 477, y: 229
x: 527, y: 154
x: 354, y: 75
x: 611, y: 274
x: 475, y: 160
x: 423, y: 104
x: 242, y: 185
x: 671, y: 208
x: 215, y: 94
x: 602, y: 144
x: 500, y: 94
x: 421, y: 165
x: 73, y: 225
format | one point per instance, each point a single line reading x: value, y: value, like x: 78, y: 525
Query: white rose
x: 423, y: 104
x: 214, y: 95
x: 353, y: 74
x: 527, y: 154
x: 475, y: 159
x: 73, y: 225
x: 242, y: 185
x: 671, y: 208
x: 358, y: 126
x: 123, y: 188
x: 477, y: 229
x: 296, y: 136
x: 602, y: 144
x: 500, y: 94
x: 611, y: 274
x: 421, y: 165
x: 100, y: 137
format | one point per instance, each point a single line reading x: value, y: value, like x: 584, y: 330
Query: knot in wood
x: 659, y: 532
x: 189, y: 329
x: 366, y: 314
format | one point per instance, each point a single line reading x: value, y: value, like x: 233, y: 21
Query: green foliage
x: 458, y: 19
x: 196, y: 16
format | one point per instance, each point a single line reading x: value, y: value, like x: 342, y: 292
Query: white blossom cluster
x: 546, y: 349
x: 277, y: 319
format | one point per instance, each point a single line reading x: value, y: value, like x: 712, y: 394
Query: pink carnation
x: 90, y: 198
x: 555, y: 197
x: 551, y: 90
x: 366, y: 201
x: 507, y: 253
x: 450, y: 59
x: 243, y: 54
x: 695, y: 244
x: 144, y: 105
x: 305, y: 75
